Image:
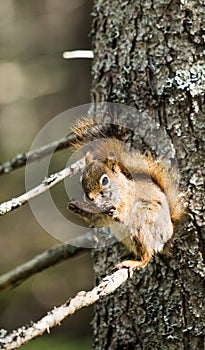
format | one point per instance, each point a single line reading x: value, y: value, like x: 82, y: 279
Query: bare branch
x: 21, y: 159
x: 39, y: 263
x: 89, y: 130
x: 24, y: 334
x: 46, y: 259
x: 47, y: 183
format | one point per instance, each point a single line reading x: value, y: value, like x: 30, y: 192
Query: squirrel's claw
x: 113, y: 212
x: 124, y: 265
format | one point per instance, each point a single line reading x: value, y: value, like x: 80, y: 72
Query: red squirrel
x: 134, y: 190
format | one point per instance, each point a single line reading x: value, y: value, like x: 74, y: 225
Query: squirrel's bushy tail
x: 167, y: 179
x: 87, y: 129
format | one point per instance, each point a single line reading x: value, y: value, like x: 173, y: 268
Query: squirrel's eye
x: 104, y: 180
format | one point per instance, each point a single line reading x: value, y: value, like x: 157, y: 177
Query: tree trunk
x: 150, y: 55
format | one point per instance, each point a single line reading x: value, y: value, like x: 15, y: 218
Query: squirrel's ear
x: 88, y: 158
x: 112, y: 163
x: 116, y: 167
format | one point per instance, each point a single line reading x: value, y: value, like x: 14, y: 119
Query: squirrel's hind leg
x: 132, y: 265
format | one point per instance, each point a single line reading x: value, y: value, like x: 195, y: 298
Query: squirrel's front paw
x: 72, y: 206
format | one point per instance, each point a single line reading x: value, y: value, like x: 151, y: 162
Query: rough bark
x: 150, y: 55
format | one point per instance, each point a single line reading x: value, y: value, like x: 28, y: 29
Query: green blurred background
x: 36, y: 84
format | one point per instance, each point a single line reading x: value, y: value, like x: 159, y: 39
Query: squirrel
x: 135, y: 191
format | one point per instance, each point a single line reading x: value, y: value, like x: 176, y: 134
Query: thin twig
x: 24, y: 334
x: 21, y: 159
x: 47, y: 183
x: 78, y: 54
